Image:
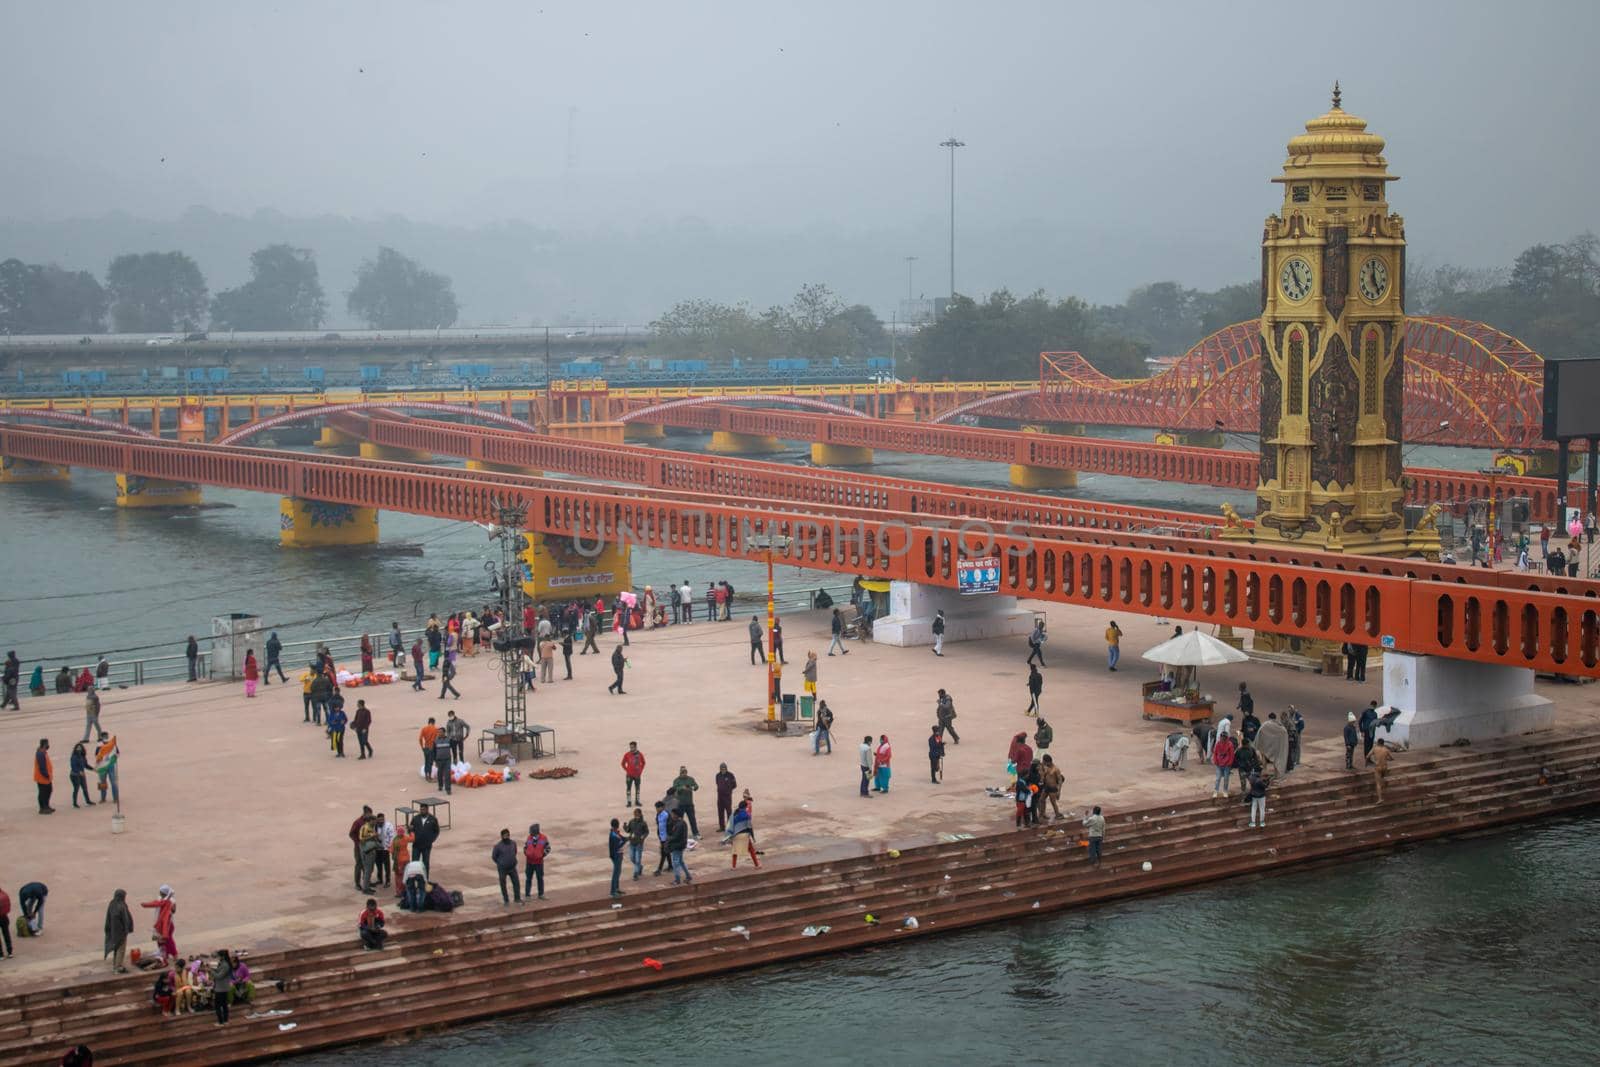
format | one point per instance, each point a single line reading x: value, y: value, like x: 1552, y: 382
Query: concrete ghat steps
x: 113, y: 1016
x: 903, y: 872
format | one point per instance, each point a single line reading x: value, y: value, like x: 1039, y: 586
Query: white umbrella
x: 1194, y: 649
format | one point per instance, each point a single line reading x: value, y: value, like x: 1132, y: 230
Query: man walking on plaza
x: 662, y: 815
x: 637, y: 831
x: 1352, y: 737
x: 935, y: 754
x: 867, y: 762
x: 756, y: 655
x: 938, y: 632
x: 504, y: 855
x: 591, y: 630
x: 837, y: 627
x: 945, y: 712
x: 361, y: 722
x: 1380, y: 765
x: 684, y: 788
x: 1036, y: 640
x: 1113, y: 645
x: 823, y: 734
x: 618, y: 663
x: 726, y: 784
x: 11, y: 679
x: 91, y: 714
x: 632, y: 775
x: 447, y: 672
x: 43, y: 776
x: 1035, y: 687
x: 191, y: 653
x: 457, y: 730
x: 274, y: 659
x: 416, y: 665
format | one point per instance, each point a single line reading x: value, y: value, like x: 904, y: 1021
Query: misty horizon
x: 610, y: 163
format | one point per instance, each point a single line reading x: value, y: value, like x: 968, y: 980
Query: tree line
x: 165, y: 292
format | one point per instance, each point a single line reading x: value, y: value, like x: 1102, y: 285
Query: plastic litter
x: 616, y: 907
x: 911, y: 922
x: 1036, y: 903
x: 894, y: 853
x: 287, y: 1026
x: 871, y: 918
x: 653, y: 964
x: 1147, y: 866
x: 815, y: 931
x: 741, y: 931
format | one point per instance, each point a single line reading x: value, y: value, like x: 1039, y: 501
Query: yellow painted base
x: 394, y: 455
x: 1027, y: 476
x: 503, y: 468
x: 728, y: 443
x: 336, y: 440
x: 314, y: 524
x: 559, y: 569
x: 1192, y: 438
x: 136, y: 492
x: 1059, y: 429
x: 610, y: 433
x: 825, y: 455
x: 26, y: 471
x: 643, y: 431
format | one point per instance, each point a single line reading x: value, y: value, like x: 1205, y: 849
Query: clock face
x: 1373, y: 281
x: 1295, y: 279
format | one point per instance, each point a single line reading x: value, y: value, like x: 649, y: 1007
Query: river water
x: 1478, y: 952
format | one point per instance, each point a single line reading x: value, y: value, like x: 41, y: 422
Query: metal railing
x: 296, y: 655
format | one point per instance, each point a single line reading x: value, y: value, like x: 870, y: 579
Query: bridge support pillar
x: 503, y: 468
x: 966, y: 618
x: 1444, y: 700
x: 729, y: 443
x: 826, y: 455
x: 643, y: 431
x: 1193, y: 438
x: 394, y: 455
x: 332, y: 440
x: 135, y: 491
x: 561, y: 568
x: 24, y: 471
x: 610, y: 433
x: 317, y: 524
x: 1026, y: 476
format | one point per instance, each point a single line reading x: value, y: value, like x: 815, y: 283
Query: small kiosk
x: 1176, y: 694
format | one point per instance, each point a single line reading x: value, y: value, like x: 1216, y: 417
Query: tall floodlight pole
x: 952, y: 144
x: 511, y: 640
x: 910, y: 294
x: 766, y: 544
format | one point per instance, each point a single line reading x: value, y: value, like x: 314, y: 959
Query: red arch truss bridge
x: 1466, y: 384
x: 1530, y: 621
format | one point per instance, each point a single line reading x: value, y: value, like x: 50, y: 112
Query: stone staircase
x: 458, y: 970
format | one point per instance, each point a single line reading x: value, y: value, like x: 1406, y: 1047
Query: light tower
x: 952, y: 144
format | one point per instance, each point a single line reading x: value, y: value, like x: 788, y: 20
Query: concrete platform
x: 244, y: 811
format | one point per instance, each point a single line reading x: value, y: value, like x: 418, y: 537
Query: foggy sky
x: 1143, y: 134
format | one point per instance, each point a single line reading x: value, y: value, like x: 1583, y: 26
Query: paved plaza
x: 243, y: 809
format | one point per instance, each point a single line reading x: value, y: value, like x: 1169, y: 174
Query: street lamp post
x: 767, y: 544
x: 910, y: 289
x: 952, y: 144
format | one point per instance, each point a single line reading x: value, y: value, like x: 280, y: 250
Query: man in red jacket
x: 633, y: 768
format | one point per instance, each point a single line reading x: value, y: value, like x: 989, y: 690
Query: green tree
x: 855, y: 333
x: 707, y: 329
x: 1002, y: 336
x: 37, y: 298
x: 156, y: 292
x: 393, y: 292
x: 1226, y: 306
x: 283, y: 293
x: 1549, y: 299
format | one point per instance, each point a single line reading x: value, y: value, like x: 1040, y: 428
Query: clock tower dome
x: 1333, y: 347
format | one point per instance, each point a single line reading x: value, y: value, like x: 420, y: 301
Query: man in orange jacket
x: 44, y: 776
x: 632, y: 771
x: 426, y: 738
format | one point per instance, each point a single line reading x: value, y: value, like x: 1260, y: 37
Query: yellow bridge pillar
x: 317, y: 524
x: 643, y: 431
x: 729, y: 443
x: 25, y: 471
x: 826, y: 455
x: 609, y: 433
x: 136, y: 491
x: 332, y: 440
x: 1192, y: 438
x: 503, y: 468
x: 564, y: 568
x: 1028, y: 476
x: 390, y: 453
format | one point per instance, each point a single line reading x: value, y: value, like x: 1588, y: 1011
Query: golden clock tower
x: 1332, y: 348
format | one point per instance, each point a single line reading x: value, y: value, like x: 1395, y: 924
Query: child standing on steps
x: 1258, y: 800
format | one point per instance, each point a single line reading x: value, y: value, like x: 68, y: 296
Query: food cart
x: 1176, y: 694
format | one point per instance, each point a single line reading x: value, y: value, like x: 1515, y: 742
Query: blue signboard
x: 974, y: 576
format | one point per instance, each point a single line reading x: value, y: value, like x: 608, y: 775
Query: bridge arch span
x: 87, y: 422
x: 644, y: 414
x: 243, y: 433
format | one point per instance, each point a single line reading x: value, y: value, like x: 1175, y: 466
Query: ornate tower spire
x: 1336, y: 105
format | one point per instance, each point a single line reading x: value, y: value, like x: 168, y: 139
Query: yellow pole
x: 772, y: 639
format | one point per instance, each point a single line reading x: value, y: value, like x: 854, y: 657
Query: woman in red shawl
x: 366, y: 654
x: 165, y: 929
x: 251, y: 672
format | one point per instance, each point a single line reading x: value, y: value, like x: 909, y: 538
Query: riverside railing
x: 148, y: 670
